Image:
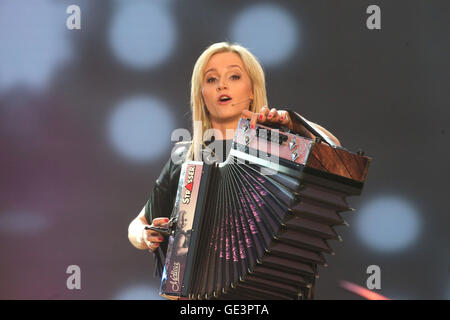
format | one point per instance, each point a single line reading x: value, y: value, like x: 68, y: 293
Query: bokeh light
x: 388, y: 223
x: 20, y: 222
x: 268, y: 31
x: 142, y: 33
x: 34, y: 42
x: 140, y: 127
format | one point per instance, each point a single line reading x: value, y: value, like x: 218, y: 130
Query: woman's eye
x: 234, y: 77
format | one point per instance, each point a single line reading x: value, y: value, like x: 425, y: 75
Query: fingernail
x: 252, y: 126
x: 166, y: 219
x: 269, y: 116
x: 160, y: 239
x: 260, y: 117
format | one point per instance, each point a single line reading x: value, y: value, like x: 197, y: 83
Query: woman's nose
x: 221, y: 83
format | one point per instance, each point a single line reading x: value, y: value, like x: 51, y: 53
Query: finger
x: 284, y: 118
x: 252, y: 116
x: 262, y: 114
x: 261, y: 118
x: 146, y: 232
x: 157, y: 222
x: 153, y: 236
x: 152, y: 246
x: 246, y: 114
x: 149, y: 233
x: 253, y: 120
x: 273, y: 115
x: 264, y: 109
x: 156, y: 239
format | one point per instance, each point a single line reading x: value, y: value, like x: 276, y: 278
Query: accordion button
x: 292, y: 144
x: 247, y: 140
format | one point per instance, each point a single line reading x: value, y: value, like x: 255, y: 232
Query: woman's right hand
x: 153, y: 238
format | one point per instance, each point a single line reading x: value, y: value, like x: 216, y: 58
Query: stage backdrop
x: 91, y: 91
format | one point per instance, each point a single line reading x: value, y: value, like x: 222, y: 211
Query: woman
x: 227, y: 84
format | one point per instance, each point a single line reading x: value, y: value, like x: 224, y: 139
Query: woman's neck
x: 226, y: 128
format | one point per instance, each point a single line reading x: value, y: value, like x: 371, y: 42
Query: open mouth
x: 224, y: 99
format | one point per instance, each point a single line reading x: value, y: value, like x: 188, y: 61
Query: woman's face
x: 183, y: 220
x: 225, y: 75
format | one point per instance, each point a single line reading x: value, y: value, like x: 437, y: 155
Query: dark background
x: 86, y: 117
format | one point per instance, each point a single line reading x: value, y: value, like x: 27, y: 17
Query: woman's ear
x: 252, y: 97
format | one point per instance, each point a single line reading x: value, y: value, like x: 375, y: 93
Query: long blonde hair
x: 198, y: 107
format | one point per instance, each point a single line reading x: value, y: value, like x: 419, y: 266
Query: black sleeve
x: 161, y: 202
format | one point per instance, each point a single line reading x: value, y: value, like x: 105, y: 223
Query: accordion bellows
x: 257, y: 226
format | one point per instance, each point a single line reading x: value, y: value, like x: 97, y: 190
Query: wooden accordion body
x: 257, y: 225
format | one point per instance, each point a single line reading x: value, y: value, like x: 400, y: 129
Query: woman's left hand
x: 269, y: 116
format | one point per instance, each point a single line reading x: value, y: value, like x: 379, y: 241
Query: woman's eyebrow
x: 230, y: 66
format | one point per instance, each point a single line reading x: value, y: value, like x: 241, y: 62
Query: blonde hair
x: 198, y: 107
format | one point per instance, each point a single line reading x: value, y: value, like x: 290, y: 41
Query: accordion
x: 256, y: 226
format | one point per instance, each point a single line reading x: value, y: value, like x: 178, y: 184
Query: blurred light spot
x: 388, y: 224
x: 33, y: 40
x: 268, y: 31
x: 13, y: 223
x: 140, y: 128
x: 139, y: 292
x: 361, y: 291
x: 142, y: 33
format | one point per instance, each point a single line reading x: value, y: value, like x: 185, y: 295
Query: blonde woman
x: 227, y: 84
